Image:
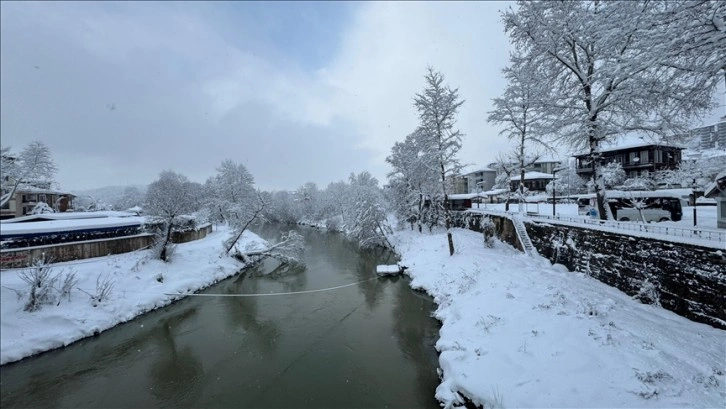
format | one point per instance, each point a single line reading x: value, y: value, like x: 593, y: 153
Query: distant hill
x: 115, y: 197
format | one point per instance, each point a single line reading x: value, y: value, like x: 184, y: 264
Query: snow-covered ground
x: 140, y: 284
x: 519, y: 332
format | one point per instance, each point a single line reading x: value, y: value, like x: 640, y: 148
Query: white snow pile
x: 139, y: 284
x: 519, y: 332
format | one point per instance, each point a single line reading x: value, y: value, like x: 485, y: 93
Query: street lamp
x: 554, y: 182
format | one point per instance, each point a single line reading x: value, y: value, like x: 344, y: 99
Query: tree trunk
x: 603, y: 209
x: 162, y: 255
x: 447, y: 212
x: 521, y: 174
x: 420, y: 212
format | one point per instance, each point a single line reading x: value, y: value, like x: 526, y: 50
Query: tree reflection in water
x: 416, y: 334
x: 176, y: 374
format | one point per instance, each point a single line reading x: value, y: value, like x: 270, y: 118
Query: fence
x: 703, y: 236
x: 23, y: 257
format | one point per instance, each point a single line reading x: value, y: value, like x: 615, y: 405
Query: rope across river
x: 319, y: 290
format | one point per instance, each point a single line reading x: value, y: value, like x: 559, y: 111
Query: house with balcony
x: 27, y: 196
x: 636, y: 159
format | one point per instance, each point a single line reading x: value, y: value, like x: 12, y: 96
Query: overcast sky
x: 297, y: 92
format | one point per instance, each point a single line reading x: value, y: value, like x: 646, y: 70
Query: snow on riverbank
x: 138, y: 287
x: 519, y: 332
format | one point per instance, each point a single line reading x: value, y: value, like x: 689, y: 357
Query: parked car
x: 650, y: 215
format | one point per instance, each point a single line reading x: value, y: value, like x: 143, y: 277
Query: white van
x: 650, y: 215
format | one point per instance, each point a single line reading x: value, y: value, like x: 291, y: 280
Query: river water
x: 368, y: 345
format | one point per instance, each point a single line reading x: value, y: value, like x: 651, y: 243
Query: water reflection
x: 416, y: 334
x: 175, y: 373
x: 243, y: 315
x: 368, y: 345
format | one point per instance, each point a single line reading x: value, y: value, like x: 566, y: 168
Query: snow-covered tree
x: 518, y: 110
x: 308, y: 198
x: 369, y: 226
x: 130, y: 198
x: 702, y: 171
x: 280, y: 207
x: 34, y: 165
x: 437, y: 107
x: 231, y: 197
x: 414, y: 177
x: 167, y: 199
x: 88, y: 203
x: 287, y: 251
x: 643, y: 182
x: 335, y: 206
x: 619, y: 67
x: 613, y: 174
x: 229, y: 192
x: 567, y: 182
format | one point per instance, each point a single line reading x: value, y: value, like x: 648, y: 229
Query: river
x: 369, y: 345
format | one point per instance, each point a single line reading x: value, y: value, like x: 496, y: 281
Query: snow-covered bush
x: 41, y: 280
x: 42, y: 208
x: 67, y: 284
x: 104, y: 286
x: 489, y: 231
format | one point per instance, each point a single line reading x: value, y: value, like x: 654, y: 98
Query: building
x: 480, y: 180
x: 636, y: 159
x: 711, y: 136
x: 533, y: 181
x: 545, y: 165
x: 27, y: 196
x: 717, y: 190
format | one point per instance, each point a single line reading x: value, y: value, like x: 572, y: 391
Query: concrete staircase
x: 523, y: 236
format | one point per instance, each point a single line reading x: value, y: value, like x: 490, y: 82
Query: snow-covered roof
x: 532, y: 175
x: 716, y: 186
x: 548, y: 159
x: 474, y: 169
x: 462, y: 196
x: 493, y: 192
x: 53, y: 226
x: 26, y: 188
x: 68, y: 216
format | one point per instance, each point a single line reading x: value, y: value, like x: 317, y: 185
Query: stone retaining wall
x: 687, y: 279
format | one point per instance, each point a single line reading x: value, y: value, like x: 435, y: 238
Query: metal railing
x: 670, y: 231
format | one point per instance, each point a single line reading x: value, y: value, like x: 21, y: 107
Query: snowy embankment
x: 140, y: 284
x: 519, y: 332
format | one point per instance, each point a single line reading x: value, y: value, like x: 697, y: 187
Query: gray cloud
x: 121, y: 91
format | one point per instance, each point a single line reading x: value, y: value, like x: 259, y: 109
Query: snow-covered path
x: 519, y: 332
